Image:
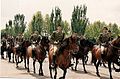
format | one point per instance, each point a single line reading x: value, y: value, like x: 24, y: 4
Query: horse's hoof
x: 41, y: 74
x: 111, y: 78
x: 85, y: 71
x: 72, y: 68
x: 75, y: 69
x: 16, y: 66
x: 98, y: 74
x: 28, y: 71
x: 61, y: 78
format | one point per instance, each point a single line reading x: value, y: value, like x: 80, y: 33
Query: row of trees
x: 93, y: 30
x: 48, y: 24
x: 16, y: 26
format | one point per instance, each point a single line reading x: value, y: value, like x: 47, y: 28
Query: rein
x: 115, y: 46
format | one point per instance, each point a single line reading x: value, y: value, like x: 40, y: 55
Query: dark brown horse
x: 20, y: 52
x: 63, y: 59
x: 110, y: 54
x: 38, y: 53
x: 85, y: 46
x: 10, y: 50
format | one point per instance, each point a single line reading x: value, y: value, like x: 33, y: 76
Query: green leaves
x: 79, y: 20
x: 19, y: 24
x: 37, y: 22
x: 55, y: 19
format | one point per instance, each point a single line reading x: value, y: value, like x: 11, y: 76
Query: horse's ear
x: 119, y: 36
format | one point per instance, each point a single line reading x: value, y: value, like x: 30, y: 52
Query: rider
x: 35, y: 37
x: 104, y: 39
x: 56, y: 39
x: 3, y: 46
x: 19, y: 39
x: 104, y: 36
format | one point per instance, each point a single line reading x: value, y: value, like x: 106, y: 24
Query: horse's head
x: 86, y: 43
x: 45, y: 42
x: 72, y: 44
x: 116, y: 50
x: 26, y: 43
x: 116, y: 43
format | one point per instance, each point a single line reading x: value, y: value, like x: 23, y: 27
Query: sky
x: 104, y: 10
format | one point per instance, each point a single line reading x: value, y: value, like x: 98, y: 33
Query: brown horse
x: 10, y: 50
x: 21, y: 52
x: 85, y: 45
x: 63, y: 59
x: 38, y: 53
x: 108, y: 54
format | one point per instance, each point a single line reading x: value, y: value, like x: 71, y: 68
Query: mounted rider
x: 56, y: 40
x: 19, y: 40
x: 3, y: 46
x: 35, y: 39
x: 104, y: 39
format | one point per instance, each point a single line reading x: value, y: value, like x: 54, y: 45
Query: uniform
x: 58, y: 37
x: 35, y: 38
x: 56, y: 40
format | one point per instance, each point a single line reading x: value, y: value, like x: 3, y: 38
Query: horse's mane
x: 44, y: 40
x: 116, y: 41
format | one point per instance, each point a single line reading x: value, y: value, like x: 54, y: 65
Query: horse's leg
x: 55, y: 73
x: 41, y: 68
x: 28, y: 64
x: 64, y: 74
x: 97, y: 65
x: 110, y: 70
x: 16, y: 59
x: 50, y: 69
x: 104, y: 64
x: 2, y: 52
x: 9, y: 55
x: 86, y: 59
x: 21, y: 58
x: 76, y: 64
x: 73, y: 62
x: 25, y: 61
x: 114, y: 66
x: 83, y: 61
x: 13, y: 58
x: 34, y: 60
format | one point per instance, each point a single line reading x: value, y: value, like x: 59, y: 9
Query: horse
x: 3, y: 48
x: 10, y: 50
x: 21, y: 52
x: 63, y: 60
x: 85, y: 46
x: 38, y: 53
x: 108, y: 54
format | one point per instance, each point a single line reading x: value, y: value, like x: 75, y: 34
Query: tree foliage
x: 19, y: 24
x: 94, y: 29
x: 37, y: 22
x: 55, y: 19
x: 79, y: 20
